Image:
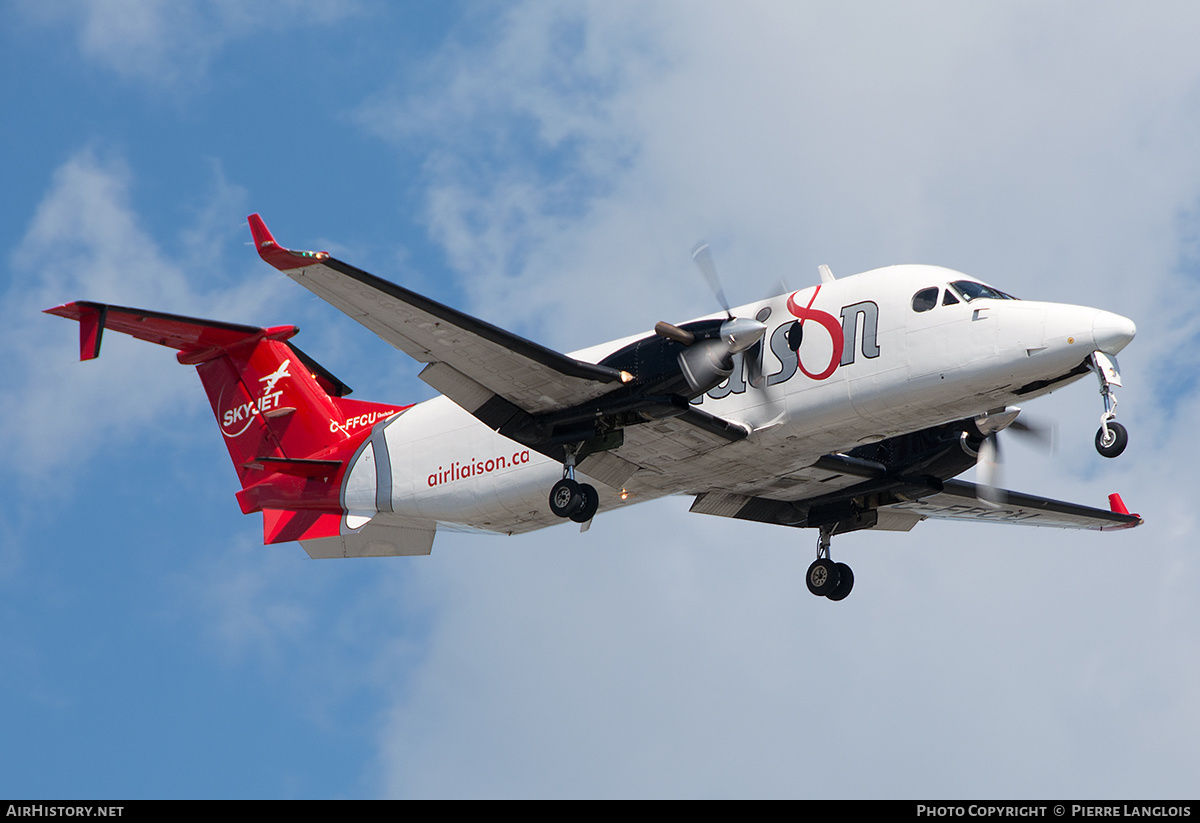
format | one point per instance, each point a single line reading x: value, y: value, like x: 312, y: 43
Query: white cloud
x: 86, y: 242
x: 673, y: 655
x: 165, y: 43
x: 576, y: 153
x: 1048, y: 149
x: 1014, y: 140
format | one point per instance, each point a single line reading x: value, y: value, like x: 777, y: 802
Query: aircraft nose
x: 1112, y: 332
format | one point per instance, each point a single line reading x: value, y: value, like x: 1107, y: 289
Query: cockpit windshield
x: 970, y: 290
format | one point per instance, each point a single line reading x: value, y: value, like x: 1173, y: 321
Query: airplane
x: 848, y: 405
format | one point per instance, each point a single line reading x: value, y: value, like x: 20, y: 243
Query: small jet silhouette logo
x: 271, y: 379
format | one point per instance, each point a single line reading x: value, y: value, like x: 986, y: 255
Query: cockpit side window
x: 925, y: 299
x: 949, y: 299
x: 970, y: 290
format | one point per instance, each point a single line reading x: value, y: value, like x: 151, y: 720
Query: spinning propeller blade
x: 987, y: 472
x: 988, y: 462
x: 703, y: 258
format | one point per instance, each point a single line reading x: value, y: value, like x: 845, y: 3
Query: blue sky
x: 548, y: 166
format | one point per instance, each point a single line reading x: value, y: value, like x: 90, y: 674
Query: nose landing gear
x: 826, y: 578
x: 1112, y: 437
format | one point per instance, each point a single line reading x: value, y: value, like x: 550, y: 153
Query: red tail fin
x: 285, y: 420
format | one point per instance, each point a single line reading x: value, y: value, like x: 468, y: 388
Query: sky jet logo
x: 272, y: 379
x: 243, y: 414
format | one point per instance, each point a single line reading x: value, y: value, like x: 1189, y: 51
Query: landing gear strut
x: 826, y: 578
x: 569, y: 498
x: 1111, y: 438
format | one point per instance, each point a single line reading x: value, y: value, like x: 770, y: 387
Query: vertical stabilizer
x: 285, y: 420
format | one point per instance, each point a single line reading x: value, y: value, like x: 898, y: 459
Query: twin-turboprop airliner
x: 843, y: 406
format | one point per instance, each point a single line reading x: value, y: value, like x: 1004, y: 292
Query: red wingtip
x: 91, y: 329
x: 262, y: 235
x: 1117, y: 505
x: 91, y: 317
x: 275, y: 254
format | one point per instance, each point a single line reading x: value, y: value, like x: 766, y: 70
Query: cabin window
x: 925, y: 299
x: 970, y: 290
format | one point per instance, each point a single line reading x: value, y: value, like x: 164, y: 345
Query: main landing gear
x: 826, y: 578
x: 1111, y: 438
x: 569, y: 498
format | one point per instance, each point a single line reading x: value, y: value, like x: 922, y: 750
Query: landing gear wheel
x: 566, y: 498
x: 823, y: 576
x: 845, y: 583
x: 591, y: 502
x: 1116, y: 441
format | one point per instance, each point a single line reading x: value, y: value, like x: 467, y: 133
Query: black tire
x: 845, y: 583
x: 822, y: 577
x: 591, y: 502
x: 565, y: 498
x: 1118, y: 440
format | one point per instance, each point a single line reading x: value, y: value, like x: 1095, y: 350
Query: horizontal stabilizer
x: 196, y: 339
x: 187, y: 334
x: 375, y: 539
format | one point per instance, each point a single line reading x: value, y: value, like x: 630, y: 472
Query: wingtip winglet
x: 271, y: 252
x: 1117, y: 506
x: 91, y: 317
x: 91, y: 330
x: 259, y: 231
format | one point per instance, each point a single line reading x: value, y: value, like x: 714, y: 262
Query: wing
x: 865, y: 497
x: 471, y: 361
x: 959, y: 500
x: 534, y: 395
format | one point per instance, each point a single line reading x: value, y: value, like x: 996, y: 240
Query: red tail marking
x: 281, y: 526
x: 289, y: 437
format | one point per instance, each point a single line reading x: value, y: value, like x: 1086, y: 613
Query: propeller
x: 987, y: 472
x: 755, y: 361
x: 988, y: 462
x: 755, y: 375
x: 702, y: 257
x: 707, y: 361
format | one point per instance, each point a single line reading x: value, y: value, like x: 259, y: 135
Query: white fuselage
x: 871, y: 366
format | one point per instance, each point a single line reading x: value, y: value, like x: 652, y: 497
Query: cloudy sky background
x: 548, y: 166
